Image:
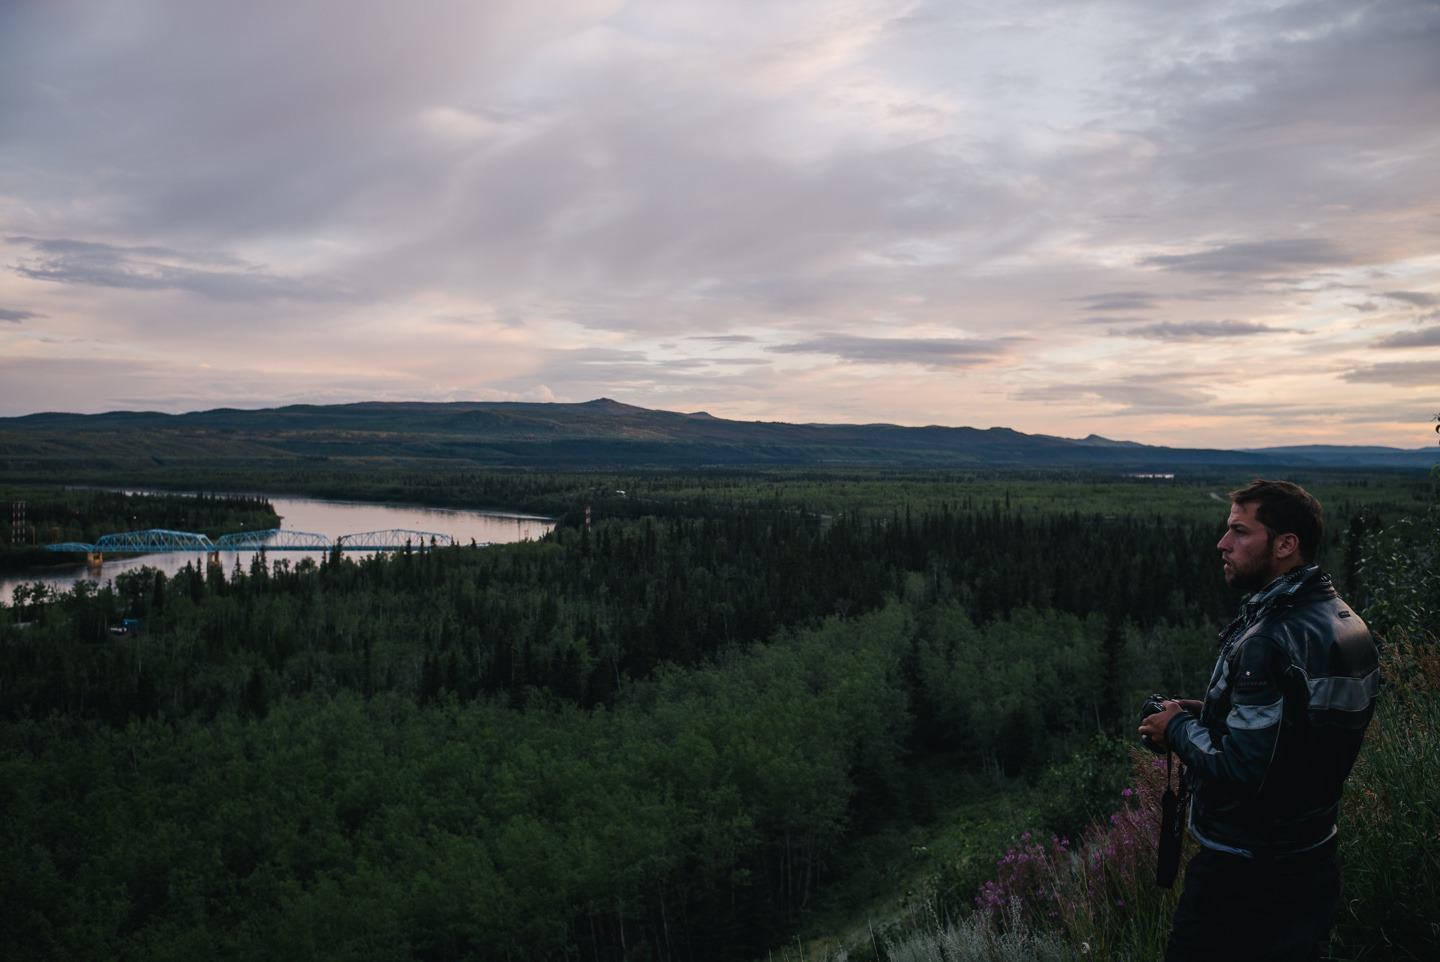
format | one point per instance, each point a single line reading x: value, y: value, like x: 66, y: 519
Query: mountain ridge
x: 604, y: 433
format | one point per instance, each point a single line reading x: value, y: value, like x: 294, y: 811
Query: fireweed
x: 1101, y: 892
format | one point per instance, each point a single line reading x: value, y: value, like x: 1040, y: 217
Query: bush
x: 1400, y: 576
x: 1074, y: 794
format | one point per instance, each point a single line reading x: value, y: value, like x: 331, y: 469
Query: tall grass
x: 1390, y: 822
x: 985, y: 938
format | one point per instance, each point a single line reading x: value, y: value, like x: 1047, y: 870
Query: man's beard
x: 1251, y: 579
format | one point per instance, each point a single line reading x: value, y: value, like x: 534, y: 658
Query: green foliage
x: 334, y: 826
x: 581, y: 611
x: 1391, y: 811
x: 1400, y: 575
x: 666, y: 736
x: 1084, y: 789
x: 1391, y: 814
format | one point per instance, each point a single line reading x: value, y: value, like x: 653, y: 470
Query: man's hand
x: 1154, y: 725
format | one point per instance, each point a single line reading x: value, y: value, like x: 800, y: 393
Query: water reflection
x: 329, y: 518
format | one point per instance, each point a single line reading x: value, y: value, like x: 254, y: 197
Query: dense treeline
x: 870, y: 492
x: 658, y: 738
x: 581, y: 611
x: 336, y: 826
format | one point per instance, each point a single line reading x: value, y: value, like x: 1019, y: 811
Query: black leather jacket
x: 1284, y: 717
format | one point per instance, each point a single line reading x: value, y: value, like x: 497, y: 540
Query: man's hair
x: 1286, y: 508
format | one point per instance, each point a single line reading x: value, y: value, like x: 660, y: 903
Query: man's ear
x: 1286, y: 545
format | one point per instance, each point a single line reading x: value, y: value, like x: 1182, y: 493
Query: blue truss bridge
x: 155, y: 540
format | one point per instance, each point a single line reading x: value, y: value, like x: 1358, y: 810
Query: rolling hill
x: 596, y: 434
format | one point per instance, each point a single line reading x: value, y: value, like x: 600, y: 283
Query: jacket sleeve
x: 1239, y: 761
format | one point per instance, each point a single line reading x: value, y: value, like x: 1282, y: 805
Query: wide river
x: 329, y: 518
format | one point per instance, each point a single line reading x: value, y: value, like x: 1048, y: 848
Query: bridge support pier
x: 94, y: 560
x: 213, y: 558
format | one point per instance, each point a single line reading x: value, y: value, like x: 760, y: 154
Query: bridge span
x: 156, y: 540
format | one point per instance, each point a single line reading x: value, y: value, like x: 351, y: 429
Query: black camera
x: 1153, y: 706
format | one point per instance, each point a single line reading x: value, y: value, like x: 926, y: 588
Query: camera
x: 1153, y: 705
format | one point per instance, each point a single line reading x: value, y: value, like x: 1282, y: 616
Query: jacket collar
x: 1277, y: 593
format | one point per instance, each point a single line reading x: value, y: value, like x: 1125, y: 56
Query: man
x: 1269, y: 748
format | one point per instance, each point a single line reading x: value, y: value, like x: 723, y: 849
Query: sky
x: 1202, y: 224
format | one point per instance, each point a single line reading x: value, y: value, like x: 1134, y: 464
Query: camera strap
x: 1172, y: 826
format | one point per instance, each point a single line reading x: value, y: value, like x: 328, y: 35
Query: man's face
x: 1248, y: 550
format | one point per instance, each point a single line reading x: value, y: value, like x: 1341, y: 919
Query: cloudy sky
x: 1203, y: 224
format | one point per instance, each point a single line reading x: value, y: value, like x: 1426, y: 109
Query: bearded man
x: 1268, y: 750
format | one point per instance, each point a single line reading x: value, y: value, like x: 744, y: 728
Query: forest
x: 735, y: 713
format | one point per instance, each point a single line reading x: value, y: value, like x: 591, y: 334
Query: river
x: 329, y: 518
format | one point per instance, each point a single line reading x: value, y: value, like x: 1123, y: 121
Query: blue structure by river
x: 330, y: 518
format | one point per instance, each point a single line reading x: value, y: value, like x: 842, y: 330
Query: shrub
x: 1074, y: 794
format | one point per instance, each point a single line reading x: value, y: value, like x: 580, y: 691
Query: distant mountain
x: 1337, y: 455
x: 599, y: 433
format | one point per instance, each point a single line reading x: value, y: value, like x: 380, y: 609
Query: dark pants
x: 1236, y: 909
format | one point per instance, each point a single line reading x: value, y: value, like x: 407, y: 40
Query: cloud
x: 54, y: 384
x: 1139, y: 393
x: 1414, y: 298
x: 724, y: 338
x: 227, y: 278
x: 1293, y: 101
x: 1256, y: 257
x: 1197, y: 330
x: 1120, y: 301
x: 18, y: 316
x: 929, y: 352
x: 1426, y: 337
x: 491, y: 196
x: 272, y: 118
x: 1398, y: 374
